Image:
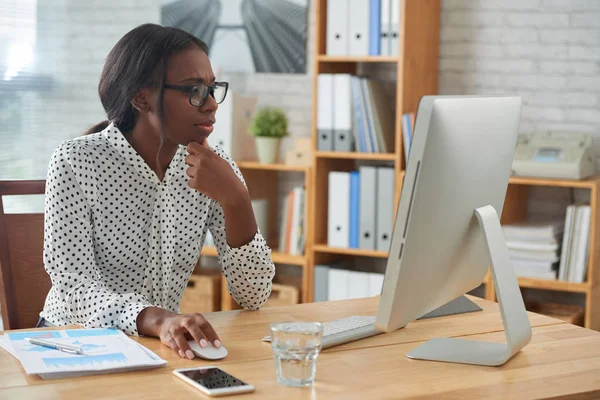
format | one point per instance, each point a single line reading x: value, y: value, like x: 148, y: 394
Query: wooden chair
x: 24, y: 283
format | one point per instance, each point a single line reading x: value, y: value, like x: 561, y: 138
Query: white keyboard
x: 345, y: 330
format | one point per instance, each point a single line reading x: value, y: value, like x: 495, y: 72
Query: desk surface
x: 561, y: 361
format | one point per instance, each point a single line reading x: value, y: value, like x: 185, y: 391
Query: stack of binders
x: 363, y: 27
x: 353, y: 114
x: 361, y: 208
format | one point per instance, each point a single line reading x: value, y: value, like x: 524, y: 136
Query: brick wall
x: 547, y: 51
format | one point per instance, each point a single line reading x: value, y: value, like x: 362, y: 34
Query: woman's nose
x: 210, y: 105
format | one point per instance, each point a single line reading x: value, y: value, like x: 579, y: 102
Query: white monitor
x: 447, y: 232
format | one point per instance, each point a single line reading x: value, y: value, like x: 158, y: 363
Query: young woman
x: 128, y: 204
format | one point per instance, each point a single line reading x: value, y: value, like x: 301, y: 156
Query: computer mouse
x: 209, y: 352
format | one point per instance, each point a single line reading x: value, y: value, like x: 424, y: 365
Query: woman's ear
x: 141, y: 101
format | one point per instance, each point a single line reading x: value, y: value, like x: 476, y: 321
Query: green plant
x: 269, y: 122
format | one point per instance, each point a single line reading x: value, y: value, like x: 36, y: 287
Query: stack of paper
x: 534, y: 247
x: 104, y: 351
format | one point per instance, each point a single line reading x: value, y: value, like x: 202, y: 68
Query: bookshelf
x: 261, y: 180
x: 416, y: 72
x: 416, y: 75
x: 515, y: 210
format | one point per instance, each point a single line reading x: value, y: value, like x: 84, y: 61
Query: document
x: 104, y: 350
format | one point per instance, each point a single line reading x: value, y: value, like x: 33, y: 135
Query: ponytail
x: 99, y: 127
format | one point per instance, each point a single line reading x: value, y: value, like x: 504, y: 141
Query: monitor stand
x: 512, y: 308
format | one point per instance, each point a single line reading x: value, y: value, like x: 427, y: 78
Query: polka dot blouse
x: 118, y: 240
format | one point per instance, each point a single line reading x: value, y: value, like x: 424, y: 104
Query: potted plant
x: 268, y: 126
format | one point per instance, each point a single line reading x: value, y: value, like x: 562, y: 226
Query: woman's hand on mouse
x: 176, y: 330
x: 212, y: 175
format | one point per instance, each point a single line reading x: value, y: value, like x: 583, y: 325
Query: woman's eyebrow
x: 195, y: 80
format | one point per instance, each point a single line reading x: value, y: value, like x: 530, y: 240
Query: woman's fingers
x: 178, y: 334
x: 194, y: 329
x: 208, y: 330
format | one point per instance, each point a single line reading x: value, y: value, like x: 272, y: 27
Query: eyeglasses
x: 199, y: 93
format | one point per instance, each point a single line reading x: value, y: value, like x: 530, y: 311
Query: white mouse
x: 208, y: 353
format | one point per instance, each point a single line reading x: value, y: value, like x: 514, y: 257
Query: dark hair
x: 137, y: 60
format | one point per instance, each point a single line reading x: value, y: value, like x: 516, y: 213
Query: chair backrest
x: 24, y: 282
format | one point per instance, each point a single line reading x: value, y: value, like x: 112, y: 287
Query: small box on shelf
x: 300, y: 154
x: 203, y: 293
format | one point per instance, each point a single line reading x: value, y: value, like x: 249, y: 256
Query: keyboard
x: 344, y: 330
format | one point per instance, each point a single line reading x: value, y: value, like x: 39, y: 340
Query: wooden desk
x: 561, y: 361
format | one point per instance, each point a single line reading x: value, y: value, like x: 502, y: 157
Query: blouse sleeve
x: 84, y: 297
x: 248, y: 269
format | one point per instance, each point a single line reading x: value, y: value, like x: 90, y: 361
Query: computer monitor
x: 447, y: 232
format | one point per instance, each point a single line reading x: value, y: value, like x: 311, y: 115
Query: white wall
x: 547, y: 51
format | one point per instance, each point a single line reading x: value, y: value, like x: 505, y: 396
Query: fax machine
x: 554, y: 155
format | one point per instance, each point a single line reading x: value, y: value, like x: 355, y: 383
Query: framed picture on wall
x: 254, y: 36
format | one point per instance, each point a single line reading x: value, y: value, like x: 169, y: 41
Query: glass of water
x: 296, y: 346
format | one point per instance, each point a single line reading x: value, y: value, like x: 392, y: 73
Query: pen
x: 58, y: 346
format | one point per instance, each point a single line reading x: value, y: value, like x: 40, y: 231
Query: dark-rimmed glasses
x: 199, y: 92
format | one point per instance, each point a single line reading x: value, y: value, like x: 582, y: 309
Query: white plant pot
x: 267, y: 149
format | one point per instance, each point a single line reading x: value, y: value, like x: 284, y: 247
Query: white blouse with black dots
x: 118, y: 240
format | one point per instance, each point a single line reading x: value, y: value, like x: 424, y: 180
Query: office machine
x: 560, y: 155
x: 447, y: 230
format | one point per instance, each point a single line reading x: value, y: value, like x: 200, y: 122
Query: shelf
x: 357, y: 59
x: 546, y: 284
x: 278, y: 258
x: 271, y: 167
x: 321, y: 248
x: 568, y: 183
x: 356, y: 155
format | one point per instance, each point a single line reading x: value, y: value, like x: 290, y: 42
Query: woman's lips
x: 207, y: 128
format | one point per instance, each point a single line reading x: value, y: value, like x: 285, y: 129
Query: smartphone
x: 213, y: 381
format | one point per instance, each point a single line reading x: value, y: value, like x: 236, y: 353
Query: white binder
x: 386, y: 9
x: 337, y: 284
x: 394, y: 27
x: 342, y: 112
x: 368, y: 197
x: 338, y: 223
x: 375, y: 283
x: 337, y: 27
x: 231, y: 128
x: 385, y: 208
x: 358, y: 284
x: 325, y: 97
x: 358, y: 28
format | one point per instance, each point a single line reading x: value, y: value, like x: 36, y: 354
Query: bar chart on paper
x: 103, y: 350
x: 114, y: 360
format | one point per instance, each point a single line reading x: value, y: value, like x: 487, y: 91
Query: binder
x: 337, y: 27
x: 338, y: 229
x: 358, y: 28
x: 354, y: 209
x: 325, y: 98
x: 385, y: 31
x: 321, y: 283
x: 375, y: 283
x: 368, y: 191
x: 342, y: 112
x: 374, y: 27
x: 373, y: 144
x: 337, y: 284
x: 385, y: 205
x: 394, y: 27
x: 358, y: 284
x: 359, y: 125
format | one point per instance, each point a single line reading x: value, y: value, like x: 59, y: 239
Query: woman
x: 129, y: 204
